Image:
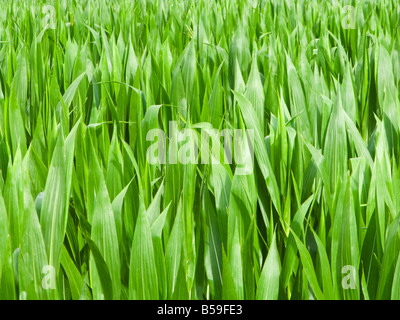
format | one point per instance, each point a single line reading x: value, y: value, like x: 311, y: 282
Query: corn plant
x: 117, y: 180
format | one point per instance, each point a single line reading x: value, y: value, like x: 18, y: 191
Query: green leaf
x: 143, y: 282
x: 75, y: 279
x: 268, y: 283
x: 308, y: 268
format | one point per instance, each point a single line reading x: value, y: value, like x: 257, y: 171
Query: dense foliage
x: 83, y: 214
